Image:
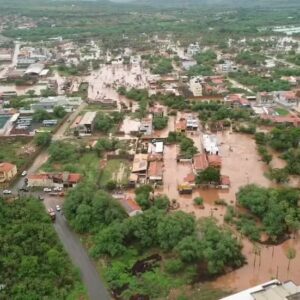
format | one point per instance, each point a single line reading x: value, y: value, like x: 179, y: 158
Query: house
x: 65, y: 179
x: 210, y: 144
x: 140, y: 164
x: 7, y: 172
x: 193, y: 49
x: 35, y: 69
x: 196, y: 86
x: 181, y: 125
x: 49, y: 103
x: 86, y: 124
x: 192, y: 123
x: 146, y: 126
x: 156, y: 147
x: 289, y: 119
x: 265, y: 98
x: 224, y: 182
x: 155, y: 172
x: 130, y: 206
x: 270, y: 290
x: 236, y: 100
x: 214, y: 161
x: 200, y: 163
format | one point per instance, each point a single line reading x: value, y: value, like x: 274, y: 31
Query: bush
x: 198, y: 201
x: 173, y: 266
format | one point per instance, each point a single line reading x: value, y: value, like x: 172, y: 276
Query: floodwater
x: 22, y: 90
x: 242, y: 163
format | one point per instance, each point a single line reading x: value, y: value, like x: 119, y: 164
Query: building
x: 35, y: 69
x: 265, y: 98
x: 146, y: 126
x: 130, y: 206
x: 49, y: 103
x: 192, y: 123
x: 214, y: 161
x: 7, y: 172
x: 86, y: 125
x: 227, y: 67
x: 236, y: 100
x: 200, y: 163
x: 155, y: 172
x: 140, y: 164
x: 272, y: 290
x: 210, y: 144
x: 193, y: 49
x: 289, y: 119
x: 65, y: 179
x: 196, y: 86
x: 181, y: 125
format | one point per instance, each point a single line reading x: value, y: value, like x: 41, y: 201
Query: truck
x: 52, y: 214
x: 185, y: 188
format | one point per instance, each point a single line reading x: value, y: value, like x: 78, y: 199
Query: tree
x: 208, y: 175
x: 279, y: 175
x: 43, y: 139
x: 198, y: 201
x: 59, y: 112
x: 109, y: 241
x: 41, y: 115
x: 190, y: 249
x: 290, y: 254
x: 172, y: 228
x: 160, y: 123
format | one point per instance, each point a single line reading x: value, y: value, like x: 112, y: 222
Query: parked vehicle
x: 24, y: 173
x: 6, y: 192
x: 47, y: 190
x: 24, y: 189
x: 57, y: 189
x: 58, y: 208
x: 51, y: 213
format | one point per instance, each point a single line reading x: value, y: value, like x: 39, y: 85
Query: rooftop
x: 6, y: 167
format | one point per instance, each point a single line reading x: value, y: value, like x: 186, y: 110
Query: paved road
x: 283, y: 61
x: 91, y: 279
x: 95, y: 287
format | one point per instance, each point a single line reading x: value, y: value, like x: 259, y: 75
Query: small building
x: 130, y: 206
x: 35, y: 69
x: 214, y: 161
x: 196, y: 86
x: 86, y: 124
x: 181, y: 125
x: 210, y: 144
x: 140, y: 164
x: 270, y: 290
x: 7, y: 172
x: 156, y: 148
x: 155, y: 172
x: 224, y: 182
x: 146, y: 126
x: 200, y: 163
x: 192, y: 123
x: 65, y: 179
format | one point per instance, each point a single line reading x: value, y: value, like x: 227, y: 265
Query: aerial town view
x: 150, y: 149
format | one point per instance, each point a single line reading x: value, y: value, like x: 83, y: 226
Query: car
x: 47, y: 190
x: 24, y: 173
x: 57, y: 189
x: 6, y: 192
x: 58, y: 207
x: 24, y: 189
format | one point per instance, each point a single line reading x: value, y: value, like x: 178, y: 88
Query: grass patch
x: 282, y: 111
x: 14, y: 150
x: 117, y: 170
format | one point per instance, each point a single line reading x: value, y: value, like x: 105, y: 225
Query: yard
x: 281, y: 111
x: 16, y: 150
x: 117, y: 170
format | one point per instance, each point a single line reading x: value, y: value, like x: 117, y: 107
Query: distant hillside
x: 210, y: 3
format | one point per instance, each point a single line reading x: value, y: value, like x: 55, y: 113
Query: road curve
x: 94, y: 285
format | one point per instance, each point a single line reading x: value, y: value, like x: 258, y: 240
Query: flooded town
x: 163, y: 165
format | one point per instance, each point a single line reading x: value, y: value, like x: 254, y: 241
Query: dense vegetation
x: 121, y: 241
x: 276, y: 209
x: 33, y: 264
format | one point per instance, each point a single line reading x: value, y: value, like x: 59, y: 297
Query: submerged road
x: 90, y: 277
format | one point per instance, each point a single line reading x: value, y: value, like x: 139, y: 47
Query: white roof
x: 88, y: 118
x: 246, y: 294
x: 35, y: 68
x: 159, y: 147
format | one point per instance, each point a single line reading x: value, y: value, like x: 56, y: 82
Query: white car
x: 57, y: 189
x: 6, y: 192
x: 47, y: 190
x: 24, y: 173
x: 58, y: 208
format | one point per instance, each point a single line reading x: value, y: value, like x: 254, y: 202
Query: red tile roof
x: 155, y: 169
x: 74, y: 177
x: 214, y: 160
x: 200, y: 162
x: 225, y: 180
x: 6, y: 167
